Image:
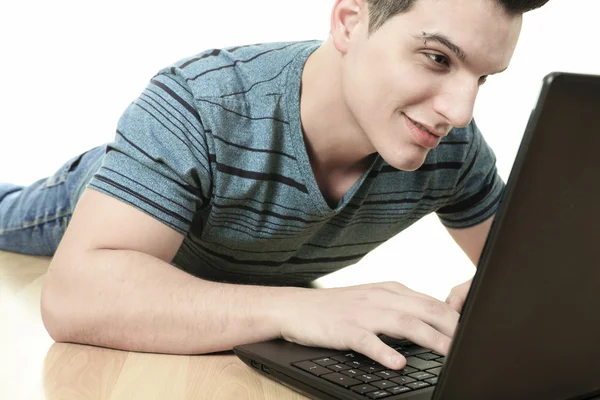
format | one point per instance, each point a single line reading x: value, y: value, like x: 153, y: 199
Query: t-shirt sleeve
x: 159, y: 159
x: 479, y: 187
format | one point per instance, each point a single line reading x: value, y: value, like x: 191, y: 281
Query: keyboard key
x: 433, y: 380
x: 398, y: 390
x: 368, y: 361
x: 384, y: 384
x: 325, y: 362
x: 371, y: 369
x: 441, y: 359
x: 342, y: 358
x: 421, y: 375
x: 407, y: 370
x: 417, y: 385
x: 387, y: 374
x: 428, y: 356
x: 435, y: 352
x: 368, y: 378
x: 352, y: 373
x: 339, y: 367
x: 421, y: 364
x: 403, y: 380
x: 435, y: 371
x: 356, y: 364
x: 413, y: 351
x: 312, y: 368
x: 362, y: 389
x: 380, y: 394
x: 341, y: 380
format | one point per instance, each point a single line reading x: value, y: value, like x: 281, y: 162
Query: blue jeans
x: 33, y: 219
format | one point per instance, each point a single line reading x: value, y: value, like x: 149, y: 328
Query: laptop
x: 530, y: 326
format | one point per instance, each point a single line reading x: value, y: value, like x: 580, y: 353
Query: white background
x: 70, y: 68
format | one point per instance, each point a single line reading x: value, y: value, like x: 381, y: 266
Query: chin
x: 405, y: 162
x: 407, y: 166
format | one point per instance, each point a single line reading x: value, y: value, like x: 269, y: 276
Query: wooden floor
x: 32, y: 366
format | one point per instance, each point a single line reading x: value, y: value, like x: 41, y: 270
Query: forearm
x: 132, y: 301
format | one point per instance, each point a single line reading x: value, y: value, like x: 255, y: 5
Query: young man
x: 257, y: 169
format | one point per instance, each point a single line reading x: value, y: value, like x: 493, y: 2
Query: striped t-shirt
x: 213, y: 148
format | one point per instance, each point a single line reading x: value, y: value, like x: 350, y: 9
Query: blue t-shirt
x: 213, y: 148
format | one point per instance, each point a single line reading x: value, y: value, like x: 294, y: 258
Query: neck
x: 334, y: 140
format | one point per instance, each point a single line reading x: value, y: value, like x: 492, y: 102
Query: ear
x: 346, y: 19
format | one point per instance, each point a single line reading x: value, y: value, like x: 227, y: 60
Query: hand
x: 352, y: 317
x: 458, y: 295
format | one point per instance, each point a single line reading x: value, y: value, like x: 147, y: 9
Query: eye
x: 438, y: 59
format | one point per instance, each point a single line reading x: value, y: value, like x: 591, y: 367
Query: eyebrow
x: 444, y: 41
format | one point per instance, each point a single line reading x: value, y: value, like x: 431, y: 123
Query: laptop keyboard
x: 364, y: 376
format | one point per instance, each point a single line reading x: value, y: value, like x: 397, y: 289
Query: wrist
x: 283, y: 303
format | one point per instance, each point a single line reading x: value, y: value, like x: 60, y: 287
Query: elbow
x: 53, y: 314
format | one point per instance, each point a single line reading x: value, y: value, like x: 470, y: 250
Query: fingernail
x: 396, y: 360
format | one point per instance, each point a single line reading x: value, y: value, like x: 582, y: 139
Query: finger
x: 394, y: 288
x: 456, y: 298
x: 456, y: 302
x: 400, y: 289
x: 418, y: 332
x: 370, y: 345
x: 433, y: 312
x: 461, y: 290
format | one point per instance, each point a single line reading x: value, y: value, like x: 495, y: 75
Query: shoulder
x: 460, y: 154
x: 454, y: 149
x: 461, y: 141
x: 238, y: 88
x: 231, y: 72
x: 464, y: 146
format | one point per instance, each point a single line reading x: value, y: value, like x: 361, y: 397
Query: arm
x: 110, y: 284
x: 471, y: 241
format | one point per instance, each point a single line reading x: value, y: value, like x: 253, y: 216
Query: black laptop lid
x: 541, y: 263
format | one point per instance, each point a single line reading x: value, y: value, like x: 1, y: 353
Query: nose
x: 456, y: 102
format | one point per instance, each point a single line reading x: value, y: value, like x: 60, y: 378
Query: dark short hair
x: 380, y: 11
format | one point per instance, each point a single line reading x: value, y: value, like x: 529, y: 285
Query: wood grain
x: 33, y: 366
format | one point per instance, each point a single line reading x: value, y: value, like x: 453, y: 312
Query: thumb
x: 455, y: 301
x: 458, y: 294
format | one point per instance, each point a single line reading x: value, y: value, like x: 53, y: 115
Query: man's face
x: 408, y: 72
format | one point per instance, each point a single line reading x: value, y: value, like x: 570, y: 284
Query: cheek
x: 416, y: 86
x: 370, y: 89
x: 360, y: 80
x: 376, y: 86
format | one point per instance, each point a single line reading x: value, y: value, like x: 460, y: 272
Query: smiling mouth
x: 424, y: 128
x: 421, y: 134
x: 437, y: 133
x: 418, y: 125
